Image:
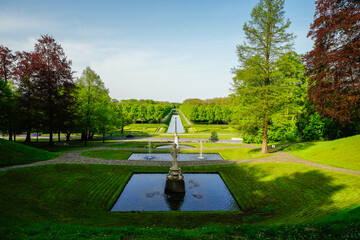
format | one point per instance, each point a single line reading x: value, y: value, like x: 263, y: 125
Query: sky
x: 165, y: 50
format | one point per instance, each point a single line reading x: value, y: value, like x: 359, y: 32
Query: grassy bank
x: 12, y: 153
x: 344, y: 153
x: 268, y: 193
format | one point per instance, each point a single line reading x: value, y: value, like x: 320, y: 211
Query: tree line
x: 209, y: 111
x: 38, y: 93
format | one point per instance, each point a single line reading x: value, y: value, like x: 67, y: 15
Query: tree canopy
x: 334, y: 63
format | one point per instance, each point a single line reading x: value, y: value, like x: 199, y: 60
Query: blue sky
x: 166, y: 50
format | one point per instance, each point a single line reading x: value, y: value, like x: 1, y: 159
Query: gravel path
x: 282, y: 157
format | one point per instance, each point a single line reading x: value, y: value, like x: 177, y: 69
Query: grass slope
x: 12, y: 153
x: 344, y: 153
x: 268, y: 193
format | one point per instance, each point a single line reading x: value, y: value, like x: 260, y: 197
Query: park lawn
x: 36, y: 201
x: 108, y: 154
x: 344, y: 152
x: 148, y: 128
x: 135, y: 144
x: 233, y: 153
x: 213, y: 128
x: 13, y: 153
x: 214, y: 145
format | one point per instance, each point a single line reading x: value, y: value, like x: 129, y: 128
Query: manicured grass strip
x: 108, y: 154
x: 344, y: 153
x: 233, y: 153
x: 310, y: 231
x: 268, y: 193
x: 12, y: 153
x: 144, y: 145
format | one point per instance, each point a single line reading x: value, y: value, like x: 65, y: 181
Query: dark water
x: 204, y: 192
x: 181, y: 156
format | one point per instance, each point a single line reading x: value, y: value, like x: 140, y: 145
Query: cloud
x: 131, y: 71
x: 13, y: 22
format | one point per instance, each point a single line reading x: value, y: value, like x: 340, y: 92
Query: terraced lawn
x: 12, y: 153
x: 344, y: 152
x: 273, y: 193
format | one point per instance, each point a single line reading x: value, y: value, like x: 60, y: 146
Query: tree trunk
x: 10, y: 135
x: 68, y: 137
x: 28, y: 137
x: 122, y: 129
x: 264, y: 148
x: 103, y: 137
x: 51, y: 128
x: 37, y: 136
x: 85, y: 137
x: 91, y: 135
x: 14, y: 137
x: 58, y: 136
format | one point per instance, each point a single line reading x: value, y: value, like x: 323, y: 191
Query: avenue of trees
x: 38, y: 93
x: 217, y: 110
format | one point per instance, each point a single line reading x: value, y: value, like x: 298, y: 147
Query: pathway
x: 282, y: 157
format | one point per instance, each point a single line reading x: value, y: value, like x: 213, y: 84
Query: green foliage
x: 93, y: 101
x: 262, y: 86
x: 6, y: 105
x: 314, y: 128
x: 145, y: 111
x: 12, y: 153
x: 215, y: 110
x: 214, y: 137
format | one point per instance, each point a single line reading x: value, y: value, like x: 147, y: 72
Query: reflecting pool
x: 203, y: 192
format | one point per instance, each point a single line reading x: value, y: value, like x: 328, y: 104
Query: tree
x: 6, y: 63
x: 28, y: 101
x: 6, y: 70
x: 256, y: 86
x: 6, y: 104
x: 52, y: 78
x: 91, y: 94
x: 334, y: 63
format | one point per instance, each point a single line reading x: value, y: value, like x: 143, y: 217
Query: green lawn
x: 226, y: 154
x: 134, y: 144
x: 233, y: 153
x: 12, y: 153
x: 35, y: 203
x: 108, y: 154
x: 344, y: 152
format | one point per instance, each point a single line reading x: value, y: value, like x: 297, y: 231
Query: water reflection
x: 174, y: 200
x: 203, y: 192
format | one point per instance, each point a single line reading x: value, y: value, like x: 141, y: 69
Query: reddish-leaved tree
x: 53, y: 76
x: 6, y: 62
x: 28, y: 103
x: 334, y: 63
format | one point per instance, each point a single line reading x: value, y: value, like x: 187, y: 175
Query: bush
x: 214, y: 137
x: 314, y: 129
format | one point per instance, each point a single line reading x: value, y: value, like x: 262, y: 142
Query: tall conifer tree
x: 258, y: 89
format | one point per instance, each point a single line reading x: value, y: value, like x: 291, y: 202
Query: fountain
x: 201, y: 155
x: 149, y: 157
x: 175, y: 180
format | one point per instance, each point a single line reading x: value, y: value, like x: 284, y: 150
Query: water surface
x: 204, y: 192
